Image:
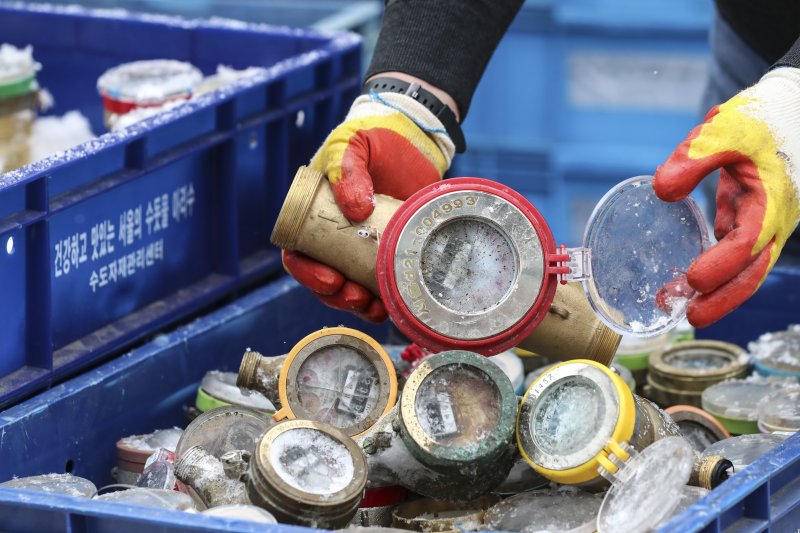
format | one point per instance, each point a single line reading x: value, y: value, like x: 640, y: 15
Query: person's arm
x: 446, y: 43
x: 390, y: 143
x: 790, y: 58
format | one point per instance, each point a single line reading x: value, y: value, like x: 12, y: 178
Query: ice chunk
x: 551, y: 510
x: 780, y: 411
x: 648, y: 488
x: 54, y: 484
x: 166, y: 499
x: 311, y: 461
x: 52, y: 135
x: 780, y: 350
x: 744, y: 449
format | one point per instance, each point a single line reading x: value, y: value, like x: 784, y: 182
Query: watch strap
x: 439, y: 109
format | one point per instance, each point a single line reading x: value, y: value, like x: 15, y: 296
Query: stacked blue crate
x: 120, y: 236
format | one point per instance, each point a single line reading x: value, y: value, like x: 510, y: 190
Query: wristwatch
x: 439, y: 109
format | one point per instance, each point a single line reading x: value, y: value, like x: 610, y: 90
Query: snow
x: 312, y: 461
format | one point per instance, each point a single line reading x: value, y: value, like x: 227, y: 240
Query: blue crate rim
x: 729, y: 494
x: 146, y: 516
x: 337, y: 42
x: 141, y: 354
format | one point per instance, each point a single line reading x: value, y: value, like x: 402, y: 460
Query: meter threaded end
x: 248, y: 370
x: 186, y: 464
x: 604, y: 345
x: 711, y: 471
x: 295, y: 208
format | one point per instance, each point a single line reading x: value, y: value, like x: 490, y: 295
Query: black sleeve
x: 790, y: 58
x: 444, y: 42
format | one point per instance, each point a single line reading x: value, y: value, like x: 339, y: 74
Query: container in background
x: 679, y: 373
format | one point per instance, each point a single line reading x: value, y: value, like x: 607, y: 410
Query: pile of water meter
x: 344, y: 432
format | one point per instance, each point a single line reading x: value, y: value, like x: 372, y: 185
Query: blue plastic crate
x: 773, y: 307
x: 134, y: 230
x: 74, y: 426
x: 360, y: 16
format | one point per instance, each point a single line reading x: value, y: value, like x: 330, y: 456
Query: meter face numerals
x: 311, y: 461
x: 457, y: 405
x: 338, y: 385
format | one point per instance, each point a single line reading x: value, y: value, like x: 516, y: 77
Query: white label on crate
x: 636, y: 81
x: 112, y: 247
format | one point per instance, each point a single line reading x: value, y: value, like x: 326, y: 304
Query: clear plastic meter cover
x: 456, y: 405
x: 647, y: 488
x: 639, y: 245
x: 338, y: 385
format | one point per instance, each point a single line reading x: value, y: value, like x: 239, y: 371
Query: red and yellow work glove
x: 754, y: 139
x: 388, y: 144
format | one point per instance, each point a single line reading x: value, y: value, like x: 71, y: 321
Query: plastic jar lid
x: 634, y: 352
x: 638, y: 244
x: 146, y: 84
x: 17, y: 71
x: 218, y: 389
x: 339, y: 376
x: 735, y: 402
x: 780, y: 411
x: 572, y: 418
x: 54, y: 484
x: 457, y: 409
x: 647, y: 488
x: 561, y: 509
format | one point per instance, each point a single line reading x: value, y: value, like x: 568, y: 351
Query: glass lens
x: 338, y: 385
x: 697, y: 359
x: 457, y: 405
x: 311, y: 461
x: 567, y: 415
x: 468, y: 266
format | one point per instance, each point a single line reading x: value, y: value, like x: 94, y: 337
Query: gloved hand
x: 388, y: 144
x: 754, y: 139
